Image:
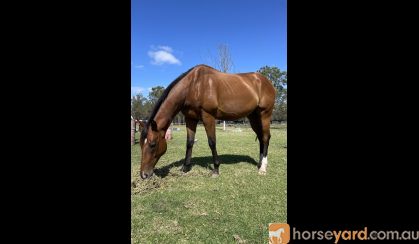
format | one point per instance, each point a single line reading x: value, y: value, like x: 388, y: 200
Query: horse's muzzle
x: 145, y: 175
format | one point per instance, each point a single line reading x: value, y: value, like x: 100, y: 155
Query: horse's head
x: 153, y: 146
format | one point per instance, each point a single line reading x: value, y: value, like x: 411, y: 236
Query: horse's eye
x: 152, y: 144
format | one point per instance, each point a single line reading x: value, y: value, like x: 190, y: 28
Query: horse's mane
x: 162, y: 99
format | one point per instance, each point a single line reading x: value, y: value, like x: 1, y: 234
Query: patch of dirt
x: 166, y: 226
x: 238, y: 239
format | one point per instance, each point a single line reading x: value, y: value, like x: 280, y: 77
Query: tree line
x: 141, y: 106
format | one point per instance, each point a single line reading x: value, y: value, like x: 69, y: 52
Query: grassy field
x: 236, y: 207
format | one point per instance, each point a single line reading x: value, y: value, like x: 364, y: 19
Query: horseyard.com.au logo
x: 279, y: 233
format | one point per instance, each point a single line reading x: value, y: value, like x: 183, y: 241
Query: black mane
x: 161, y: 100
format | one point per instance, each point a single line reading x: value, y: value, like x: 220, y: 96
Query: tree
x: 224, y: 62
x: 142, y: 107
x: 155, y: 94
x: 138, y: 109
x: 279, y: 80
x: 148, y: 107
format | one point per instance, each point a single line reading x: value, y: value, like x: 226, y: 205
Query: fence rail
x: 135, y: 126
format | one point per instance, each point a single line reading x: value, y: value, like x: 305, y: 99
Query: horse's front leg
x: 190, y: 139
x: 209, y: 123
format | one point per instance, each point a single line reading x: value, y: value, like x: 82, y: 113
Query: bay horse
x: 204, y: 93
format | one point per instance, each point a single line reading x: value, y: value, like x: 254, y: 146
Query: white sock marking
x: 264, y: 164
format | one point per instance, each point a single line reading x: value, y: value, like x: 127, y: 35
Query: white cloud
x: 136, y: 90
x: 163, y: 55
x: 166, y: 48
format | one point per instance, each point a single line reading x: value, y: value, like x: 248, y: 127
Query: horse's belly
x: 229, y: 103
x: 235, y: 110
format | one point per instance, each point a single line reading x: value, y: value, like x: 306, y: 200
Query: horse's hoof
x: 262, y: 172
x: 185, y: 169
x: 215, y: 173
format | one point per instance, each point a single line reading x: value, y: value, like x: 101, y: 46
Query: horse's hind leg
x: 266, y: 136
x: 190, y: 139
x: 209, y: 123
x: 256, y: 123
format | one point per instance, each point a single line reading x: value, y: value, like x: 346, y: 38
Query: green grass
x: 236, y: 207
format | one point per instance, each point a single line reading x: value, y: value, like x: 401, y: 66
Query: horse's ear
x: 141, y: 123
x: 153, y: 125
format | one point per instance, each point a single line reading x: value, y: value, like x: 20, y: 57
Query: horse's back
x: 230, y: 96
x: 253, y: 88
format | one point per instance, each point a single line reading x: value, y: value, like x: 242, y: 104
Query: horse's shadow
x: 205, y: 162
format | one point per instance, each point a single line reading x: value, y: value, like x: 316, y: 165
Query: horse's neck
x: 168, y: 110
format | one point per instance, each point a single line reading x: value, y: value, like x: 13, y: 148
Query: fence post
x: 132, y: 132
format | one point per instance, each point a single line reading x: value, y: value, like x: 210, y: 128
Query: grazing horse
x: 204, y: 93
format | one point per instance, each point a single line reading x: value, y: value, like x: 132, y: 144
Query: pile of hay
x: 140, y: 186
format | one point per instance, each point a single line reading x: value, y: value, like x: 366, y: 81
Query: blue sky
x: 170, y: 36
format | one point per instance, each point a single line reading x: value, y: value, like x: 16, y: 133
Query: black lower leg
x: 190, y: 139
x: 265, y: 147
x: 261, y: 148
x: 212, y: 145
x: 216, y: 165
x: 187, y: 164
x: 256, y: 124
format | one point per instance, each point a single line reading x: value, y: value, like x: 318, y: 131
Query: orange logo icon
x: 279, y: 233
